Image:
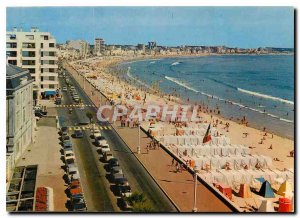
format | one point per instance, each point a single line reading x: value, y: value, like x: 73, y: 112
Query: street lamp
x: 139, y: 144
x: 195, y: 187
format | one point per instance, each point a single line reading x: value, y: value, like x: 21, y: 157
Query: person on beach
x: 271, y: 147
x: 173, y: 160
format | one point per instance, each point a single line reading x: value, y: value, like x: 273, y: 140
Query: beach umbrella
x: 260, y: 179
x: 285, y: 189
x: 266, y: 190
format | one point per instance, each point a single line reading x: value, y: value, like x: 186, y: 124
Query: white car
x: 68, y: 154
x: 96, y: 135
x: 104, y: 148
x: 64, y: 89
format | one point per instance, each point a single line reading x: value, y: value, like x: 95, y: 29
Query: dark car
x: 124, y: 190
x: 121, y: 180
x: 64, y: 130
x: 68, y: 144
x: 38, y: 114
x: 98, y: 140
x: 124, y: 203
x: 113, y: 162
x: 78, y: 133
x: 79, y: 207
x: 65, y: 138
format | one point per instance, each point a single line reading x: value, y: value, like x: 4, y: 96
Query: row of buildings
x: 78, y: 49
x: 31, y: 75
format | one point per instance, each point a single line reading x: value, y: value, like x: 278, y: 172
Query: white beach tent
x: 266, y: 206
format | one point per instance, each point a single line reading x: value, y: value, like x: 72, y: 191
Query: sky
x: 245, y: 27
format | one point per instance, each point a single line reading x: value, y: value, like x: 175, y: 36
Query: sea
x: 259, y: 87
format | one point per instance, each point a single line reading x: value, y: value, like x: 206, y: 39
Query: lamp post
x: 139, y: 142
x: 195, y: 188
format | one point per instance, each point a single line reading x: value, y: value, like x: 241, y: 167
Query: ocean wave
x: 185, y: 85
x: 289, y: 121
x: 152, y: 62
x: 175, y: 63
x: 265, y: 96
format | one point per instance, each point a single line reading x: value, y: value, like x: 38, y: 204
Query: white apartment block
x: 99, y: 46
x: 37, y: 52
x: 80, y: 45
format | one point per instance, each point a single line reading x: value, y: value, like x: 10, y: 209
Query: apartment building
x: 80, y: 45
x: 20, y: 121
x: 35, y: 51
x: 99, y: 46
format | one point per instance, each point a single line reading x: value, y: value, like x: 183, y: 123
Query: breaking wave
x: 175, y: 63
x: 185, y: 85
x: 265, y: 96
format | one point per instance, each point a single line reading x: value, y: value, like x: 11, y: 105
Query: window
x: 52, y: 53
x: 28, y: 62
x: 51, y: 78
x: 28, y: 45
x: 46, y: 37
x: 51, y: 86
x: 42, y: 45
x: 42, y: 86
x: 30, y: 37
x: 11, y: 45
x: 51, y: 70
x: 13, y: 62
x: 42, y: 78
x: 33, y: 77
x: 28, y: 53
x: 11, y: 53
x: 31, y: 70
x: 51, y: 45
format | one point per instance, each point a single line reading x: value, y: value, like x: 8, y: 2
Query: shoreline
x: 184, y: 101
x: 281, y: 145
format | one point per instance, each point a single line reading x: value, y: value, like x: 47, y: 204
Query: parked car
x: 107, y: 156
x: 64, y: 89
x: 95, y: 133
x: 117, y: 178
x: 78, y: 133
x: 38, y: 114
x: 79, y: 206
x: 113, y: 162
x: 124, y: 203
x: 104, y: 148
x: 124, y: 190
x: 116, y: 170
x: 99, y: 141
x: 64, y: 130
x: 68, y: 154
x: 67, y: 145
x: 65, y: 138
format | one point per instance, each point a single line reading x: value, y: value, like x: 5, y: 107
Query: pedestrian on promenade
x: 147, y: 148
x: 173, y: 162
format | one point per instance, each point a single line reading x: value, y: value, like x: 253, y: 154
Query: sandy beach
x: 99, y: 71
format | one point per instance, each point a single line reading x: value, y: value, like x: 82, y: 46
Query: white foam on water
x: 185, y: 85
x: 265, y: 96
x: 175, y: 63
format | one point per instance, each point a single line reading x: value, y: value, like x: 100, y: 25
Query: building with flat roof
x: 20, y: 120
x: 35, y: 51
x: 99, y: 46
x: 80, y: 45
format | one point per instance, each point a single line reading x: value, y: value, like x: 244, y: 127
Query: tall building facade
x: 99, y: 46
x: 80, y: 45
x: 20, y: 121
x: 35, y: 51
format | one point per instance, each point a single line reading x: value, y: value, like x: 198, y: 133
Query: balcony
x: 49, y: 58
x: 28, y: 58
x: 55, y: 74
x: 49, y: 49
x: 49, y: 82
x: 47, y: 66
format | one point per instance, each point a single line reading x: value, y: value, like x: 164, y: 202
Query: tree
x: 89, y: 115
x: 140, y: 203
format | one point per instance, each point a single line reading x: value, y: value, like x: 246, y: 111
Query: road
x: 97, y: 189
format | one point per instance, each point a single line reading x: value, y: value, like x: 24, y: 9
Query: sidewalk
x: 46, y: 154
